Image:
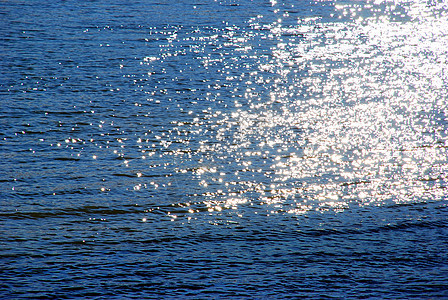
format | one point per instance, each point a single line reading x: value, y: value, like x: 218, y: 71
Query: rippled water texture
x: 223, y: 149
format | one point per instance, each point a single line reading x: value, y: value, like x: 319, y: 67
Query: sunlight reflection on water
x: 335, y: 114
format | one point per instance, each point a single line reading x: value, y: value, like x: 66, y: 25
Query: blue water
x: 223, y: 149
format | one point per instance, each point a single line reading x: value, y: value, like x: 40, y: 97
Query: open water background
x: 223, y: 149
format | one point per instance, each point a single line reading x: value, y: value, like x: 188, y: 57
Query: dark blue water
x: 223, y: 149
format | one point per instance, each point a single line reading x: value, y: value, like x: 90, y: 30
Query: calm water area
x: 223, y: 149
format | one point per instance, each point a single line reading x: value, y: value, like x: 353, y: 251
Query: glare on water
x: 335, y: 114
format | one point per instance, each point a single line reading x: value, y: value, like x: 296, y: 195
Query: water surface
x: 223, y: 149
